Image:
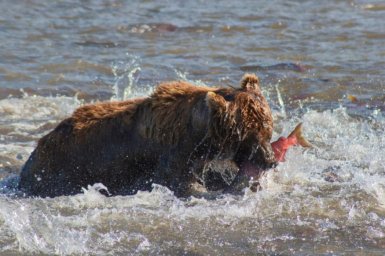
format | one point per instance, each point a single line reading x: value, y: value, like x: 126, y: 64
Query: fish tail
x: 297, y: 133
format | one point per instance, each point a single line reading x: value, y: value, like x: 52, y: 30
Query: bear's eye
x: 229, y: 97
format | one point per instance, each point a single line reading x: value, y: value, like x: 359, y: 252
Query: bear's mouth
x: 248, y: 169
x: 247, y: 176
x: 226, y: 172
x: 229, y: 175
x: 254, y: 160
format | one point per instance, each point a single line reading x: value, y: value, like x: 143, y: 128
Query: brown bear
x: 176, y: 137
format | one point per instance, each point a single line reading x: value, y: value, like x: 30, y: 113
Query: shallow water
x: 312, y: 57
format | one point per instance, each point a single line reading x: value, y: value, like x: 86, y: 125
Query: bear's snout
x: 268, y: 156
x: 257, y: 159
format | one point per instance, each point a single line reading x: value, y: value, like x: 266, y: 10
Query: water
x: 312, y: 57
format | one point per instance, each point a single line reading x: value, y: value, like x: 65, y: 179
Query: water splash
x: 25, y: 120
x: 37, y: 108
x: 317, y: 194
x: 183, y: 76
x: 126, y: 75
x: 280, y: 101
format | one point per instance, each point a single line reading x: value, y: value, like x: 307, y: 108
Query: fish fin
x: 297, y: 132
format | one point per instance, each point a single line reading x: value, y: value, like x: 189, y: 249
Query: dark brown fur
x: 167, y: 138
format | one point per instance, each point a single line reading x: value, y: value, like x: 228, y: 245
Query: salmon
x: 295, y: 138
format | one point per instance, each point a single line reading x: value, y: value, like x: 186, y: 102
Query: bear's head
x: 240, y: 127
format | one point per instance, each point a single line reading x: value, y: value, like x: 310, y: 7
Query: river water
x: 320, y: 63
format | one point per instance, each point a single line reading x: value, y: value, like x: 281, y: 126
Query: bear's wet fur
x: 168, y: 138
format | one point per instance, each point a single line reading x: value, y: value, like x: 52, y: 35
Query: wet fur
x: 160, y: 139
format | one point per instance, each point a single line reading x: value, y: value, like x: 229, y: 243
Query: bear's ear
x: 215, y: 101
x: 250, y: 82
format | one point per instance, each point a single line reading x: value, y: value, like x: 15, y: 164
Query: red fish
x: 283, y: 144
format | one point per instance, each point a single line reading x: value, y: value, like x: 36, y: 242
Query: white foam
x: 24, y: 120
x: 297, y: 196
x: 33, y: 107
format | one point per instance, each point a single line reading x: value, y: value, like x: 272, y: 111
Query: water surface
x: 320, y: 63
